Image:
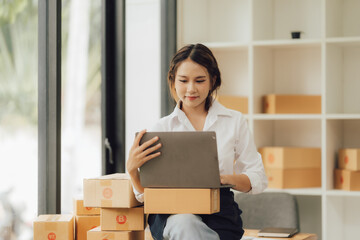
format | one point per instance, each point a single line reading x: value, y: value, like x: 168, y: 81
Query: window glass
x: 18, y: 117
x: 81, y: 97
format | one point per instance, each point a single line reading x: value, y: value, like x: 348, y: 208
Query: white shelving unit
x: 252, y: 41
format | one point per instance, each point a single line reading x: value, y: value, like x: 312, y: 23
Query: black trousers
x: 227, y: 223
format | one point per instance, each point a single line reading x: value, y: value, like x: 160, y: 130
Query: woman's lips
x: 191, y: 98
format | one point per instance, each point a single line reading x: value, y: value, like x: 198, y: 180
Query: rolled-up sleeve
x: 247, y: 159
x: 138, y: 196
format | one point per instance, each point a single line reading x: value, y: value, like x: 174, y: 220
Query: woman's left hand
x: 240, y: 181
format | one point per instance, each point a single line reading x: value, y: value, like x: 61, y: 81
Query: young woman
x: 193, y: 79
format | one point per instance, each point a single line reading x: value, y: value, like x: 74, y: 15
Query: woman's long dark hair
x: 203, y: 56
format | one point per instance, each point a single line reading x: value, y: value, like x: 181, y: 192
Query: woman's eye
x: 183, y: 81
x: 200, y: 81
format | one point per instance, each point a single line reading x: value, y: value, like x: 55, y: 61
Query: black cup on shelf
x: 295, y: 34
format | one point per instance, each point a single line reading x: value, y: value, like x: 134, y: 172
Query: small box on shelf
x: 347, y: 180
x: 293, y: 178
x: 291, y: 157
x: 234, y: 102
x: 181, y: 200
x: 349, y: 158
x: 285, y: 104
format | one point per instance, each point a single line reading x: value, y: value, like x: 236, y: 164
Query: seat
x: 268, y: 209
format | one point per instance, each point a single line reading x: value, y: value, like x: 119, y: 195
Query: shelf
x: 342, y: 193
x: 299, y: 191
x: 288, y: 43
x: 265, y: 116
x: 257, y: 56
x: 342, y: 116
x: 344, y: 41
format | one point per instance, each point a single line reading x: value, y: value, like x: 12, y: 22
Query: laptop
x: 187, y: 160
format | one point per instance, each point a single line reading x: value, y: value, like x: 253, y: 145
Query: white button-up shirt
x: 237, y: 152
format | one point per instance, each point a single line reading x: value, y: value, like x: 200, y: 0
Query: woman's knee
x: 184, y: 220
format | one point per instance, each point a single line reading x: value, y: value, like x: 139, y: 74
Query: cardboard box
x: 291, y: 157
x: 347, y: 180
x: 128, y: 219
x: 84, y: 224
x: 293, y: 178
x: 349, y: 158
x: 181, y: 200
x: 234, y: 102
x: 274, y: 103
x: 109, y: 191
x: 97, y: 234
x: 52, y: 227
x: 80, y: 210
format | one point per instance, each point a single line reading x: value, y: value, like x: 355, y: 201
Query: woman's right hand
x: 140, y: 154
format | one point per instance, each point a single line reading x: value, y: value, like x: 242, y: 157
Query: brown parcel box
x: 347, y: 180
x: 181, y: 200
x: 349, y: 158
x: 291, y: 157
x: 80, y: 210
x: 293, y: 178
x: 112, y: 191
x: 52, y: 227
x: 128, y: 219
x: 291, y: 104
x: 84, y: 224
x: 97, y: 234
x: 234, y: 102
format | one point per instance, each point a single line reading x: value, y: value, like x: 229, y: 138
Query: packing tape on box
x: 106, y: 193
x: 216, y: 199
x: 106, y: 203
x: 50, y: 223
x: 108, y: 236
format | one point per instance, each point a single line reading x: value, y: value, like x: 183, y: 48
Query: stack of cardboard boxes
x: 347, y: 175
x: 86, y: 218
x: 121, y: 215
x: 67, y: 226
x: 292, y: 167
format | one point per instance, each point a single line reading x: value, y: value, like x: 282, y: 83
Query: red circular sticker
x: 271, y: 158
x: 341, y: 179
x: 346, y: 159
x: 121, y: 219
x: 51, y: 236
x: 89, y: 208
x: 107, y: 193
x: 270, y: 178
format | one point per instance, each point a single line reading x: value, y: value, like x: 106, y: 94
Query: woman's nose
x: 191, y: 87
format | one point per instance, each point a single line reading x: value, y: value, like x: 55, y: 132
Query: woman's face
x: 192, y: 84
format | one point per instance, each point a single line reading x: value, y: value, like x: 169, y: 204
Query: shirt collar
x: 216, y: 109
